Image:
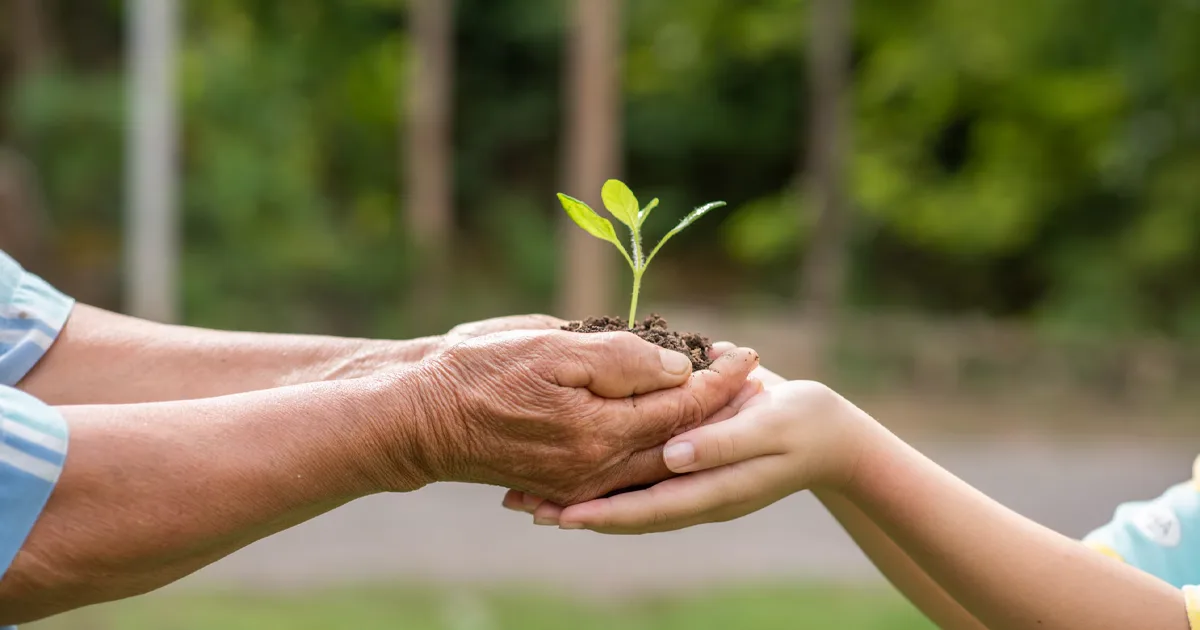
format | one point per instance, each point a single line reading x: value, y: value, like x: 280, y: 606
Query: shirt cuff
x: 33, y: 447
x: 32, y: 313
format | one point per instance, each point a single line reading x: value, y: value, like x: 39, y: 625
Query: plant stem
x: 637, y: 286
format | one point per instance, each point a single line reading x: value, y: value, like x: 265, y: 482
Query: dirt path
x: 454, y: 533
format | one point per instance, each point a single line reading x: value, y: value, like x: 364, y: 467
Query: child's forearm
x: 898, y: 568
x: 1007, y: 571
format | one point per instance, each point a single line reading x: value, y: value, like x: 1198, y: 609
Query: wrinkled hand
x: 471, y: 330
x: 748, y: 455
x: 567, y: 416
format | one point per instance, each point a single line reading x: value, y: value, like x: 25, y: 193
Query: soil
x: 655, y: 330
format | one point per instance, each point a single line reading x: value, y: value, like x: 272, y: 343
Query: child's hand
x: 793, y: 436
x: 764, y: 446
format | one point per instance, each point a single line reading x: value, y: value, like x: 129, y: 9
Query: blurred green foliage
x: 1035, y: 159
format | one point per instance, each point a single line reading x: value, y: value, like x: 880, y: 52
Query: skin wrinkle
x: 591, y: 450
x: 190, y: 363
x: 154, y: 491
x: 445, y: 398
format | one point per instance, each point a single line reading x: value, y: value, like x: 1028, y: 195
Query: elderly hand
x: 567, y: 416
x: 548, y: 512
x: 471, y: 330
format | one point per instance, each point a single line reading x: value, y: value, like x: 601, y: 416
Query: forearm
x: 152, y: 492
x: 897, y: 567
x: 106, y: 358
x: 1006, y: 570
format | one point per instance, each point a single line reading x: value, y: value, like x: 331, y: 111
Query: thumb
x: 744, y: 436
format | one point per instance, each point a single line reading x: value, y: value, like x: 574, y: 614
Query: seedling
x: 624, y: 206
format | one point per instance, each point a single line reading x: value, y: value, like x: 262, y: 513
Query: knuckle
x: 815, y: 395
x: 725, y: 448
x: 693, y: 411
x: 622, y: 340
x: 624, y: 346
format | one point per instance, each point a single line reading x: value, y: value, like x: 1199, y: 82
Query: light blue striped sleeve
x: 33, y: 447
x: 33, y: 436
x: 31, y: 315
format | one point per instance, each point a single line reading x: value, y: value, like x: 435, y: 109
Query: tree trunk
x: 21, y: 215
x: 152, y: 222
x: 430, y: 211
x: 31, y: 45
x: 823, y: 274
x: 21, y: 218
x: 592, y: 151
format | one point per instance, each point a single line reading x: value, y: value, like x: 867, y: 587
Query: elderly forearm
x: 1008, y: 571
x: 152, y: 492
x: 102, y: 357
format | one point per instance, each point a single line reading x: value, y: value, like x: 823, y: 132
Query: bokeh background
x: 980, y: 220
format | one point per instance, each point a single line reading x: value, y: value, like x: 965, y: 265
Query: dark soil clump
x: 653, y: 329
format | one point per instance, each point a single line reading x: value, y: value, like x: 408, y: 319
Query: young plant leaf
x: 620, y: 202
x: 592, y: 223
x: 688, y: 220
x: 646, y: 211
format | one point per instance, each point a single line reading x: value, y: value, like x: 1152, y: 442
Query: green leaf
x: 688, y: 220
x: 592, y: 223
x: 646, y: 211
x: 620, y: 202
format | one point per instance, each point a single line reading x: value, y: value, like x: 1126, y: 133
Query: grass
x: 798, y: 607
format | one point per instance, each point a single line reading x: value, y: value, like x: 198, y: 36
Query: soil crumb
x: 655, y: 330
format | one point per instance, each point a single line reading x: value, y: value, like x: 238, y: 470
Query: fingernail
x: 570, y: 525
x: 720, y: 348
x: 544, y: 520
x: 679, y: 454
x: 674, y: 362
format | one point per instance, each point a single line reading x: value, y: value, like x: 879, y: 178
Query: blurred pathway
x: 453, y: 533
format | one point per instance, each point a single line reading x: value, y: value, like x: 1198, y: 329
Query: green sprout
x: 624, y: 206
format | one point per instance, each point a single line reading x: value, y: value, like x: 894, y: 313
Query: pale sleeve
x: 32, y: 313
x: 1160, y: 536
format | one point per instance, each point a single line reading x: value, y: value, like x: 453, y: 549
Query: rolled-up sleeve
x: 33, y: 446
x: 33, y: 435
x: 31, y: 315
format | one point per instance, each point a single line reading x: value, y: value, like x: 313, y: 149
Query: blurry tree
x: 21, y: 227
x: 29, y: 37
x: 1012, y: 158
x: 592, y: 153
x: 428, y: 144
x: 21, y: 219
x: 290, y: 138
x: 823, y: 274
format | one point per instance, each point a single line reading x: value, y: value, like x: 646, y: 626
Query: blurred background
x: 980, y: 220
